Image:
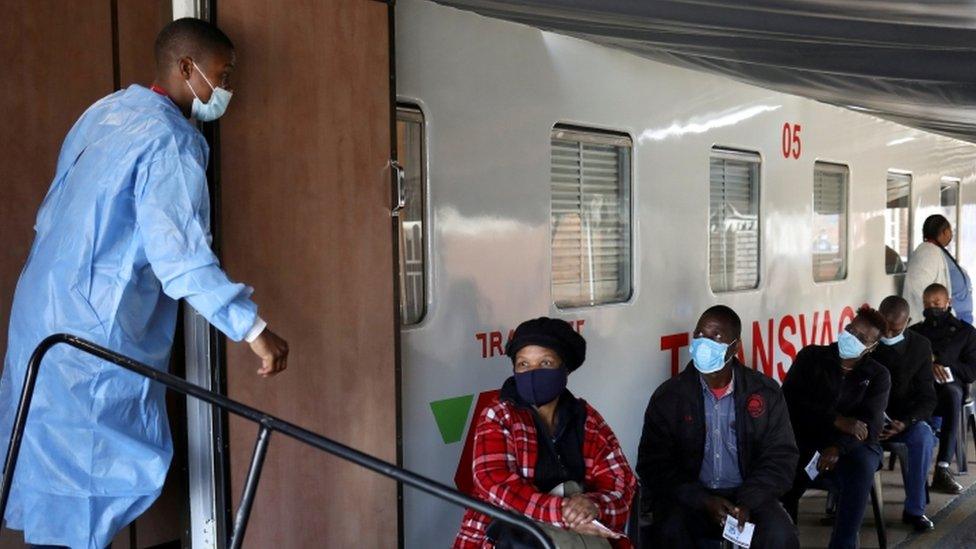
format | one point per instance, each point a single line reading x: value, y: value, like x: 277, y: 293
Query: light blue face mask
x: 849, y: 345
x: 213, y: 109
x: 893, y: 340
x: 708, y: 355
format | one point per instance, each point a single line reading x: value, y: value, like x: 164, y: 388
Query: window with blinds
x: 898, y: 222
x: 412, y: 235
x: 830, y: 183
x: 733, y: 220
x: 949, y: 199
x: 590, y: 217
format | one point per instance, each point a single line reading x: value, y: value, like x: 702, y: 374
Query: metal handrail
x: 268, y: 424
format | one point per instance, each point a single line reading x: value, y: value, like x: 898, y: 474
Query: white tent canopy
x: 911, y: 62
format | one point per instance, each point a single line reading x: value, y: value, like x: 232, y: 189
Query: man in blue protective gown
x: 122, y: 235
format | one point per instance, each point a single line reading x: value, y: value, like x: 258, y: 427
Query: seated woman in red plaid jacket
x: 542, y: 452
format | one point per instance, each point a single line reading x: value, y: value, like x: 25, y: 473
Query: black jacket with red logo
x: 817, y: 392
x: 673, y: 442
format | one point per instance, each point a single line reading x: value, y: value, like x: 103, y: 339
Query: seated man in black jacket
x: 908, y: 358
x: 954, y: 347
x: 837, y: 396
x: 717, y: 441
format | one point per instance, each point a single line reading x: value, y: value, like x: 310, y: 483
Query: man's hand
x: 940, y: 374
x: 892, y: 429
x: 273, y: 352
x: 717, y: 508
x: 852, y: 426
x: 579, y: 510
x: 741, y: 515
x: 828, y: 459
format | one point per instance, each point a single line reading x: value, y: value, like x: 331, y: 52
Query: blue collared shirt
x: 720, y: 464
x: 962, y: 291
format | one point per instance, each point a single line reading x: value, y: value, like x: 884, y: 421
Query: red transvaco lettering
x: 777, y: 337
x: 493, y: 345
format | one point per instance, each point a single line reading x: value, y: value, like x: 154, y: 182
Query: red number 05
x: 791, y: 140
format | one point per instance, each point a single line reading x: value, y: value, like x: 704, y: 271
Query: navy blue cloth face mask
x: 542, y: 385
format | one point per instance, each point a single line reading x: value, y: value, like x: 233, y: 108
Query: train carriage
x: 547, y: 175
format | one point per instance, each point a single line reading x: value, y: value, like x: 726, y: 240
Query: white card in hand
x: 732, y: 533
x: 606, y: 530
x: 811, y: 467
x: 948, y: 372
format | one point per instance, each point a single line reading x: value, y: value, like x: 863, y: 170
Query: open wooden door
x: 305, y: 219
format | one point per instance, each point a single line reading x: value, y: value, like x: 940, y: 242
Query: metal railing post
x: 250, y: 487
x: 20, y: 420
x: 268, y: 425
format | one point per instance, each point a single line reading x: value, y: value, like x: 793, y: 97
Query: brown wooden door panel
x: 305, y: 220
x: 59, y: 60
x: 138, y: 24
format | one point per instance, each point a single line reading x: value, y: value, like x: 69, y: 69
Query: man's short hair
x: 933, y: 288
x: 725, y: 313
x: 893, y: 304
x: 934, y: 225
x: 189, y: 37
x: 873, y: 317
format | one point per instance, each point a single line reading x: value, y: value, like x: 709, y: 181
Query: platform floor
x: 954, y: 516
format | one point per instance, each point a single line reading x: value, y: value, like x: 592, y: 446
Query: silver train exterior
x: 491, y: 93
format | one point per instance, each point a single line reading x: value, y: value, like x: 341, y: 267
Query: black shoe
x: 944, y: 482
x: 920, y: 523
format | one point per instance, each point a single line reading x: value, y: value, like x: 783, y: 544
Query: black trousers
x: 686, y: 528
x: 949, y: 404
x: 852, y: 478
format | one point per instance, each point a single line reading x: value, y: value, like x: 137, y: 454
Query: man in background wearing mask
x: 748, y: 457
x: 908, y: 358
x: 953, y: 348
x: 122, y: 235
x: 837, y: 396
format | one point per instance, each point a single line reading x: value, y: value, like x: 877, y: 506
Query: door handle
x: 400, y: 187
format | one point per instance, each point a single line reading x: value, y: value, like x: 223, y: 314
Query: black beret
x: 551, y: 333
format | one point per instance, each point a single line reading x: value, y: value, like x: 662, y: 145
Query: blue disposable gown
x: 121, y: 236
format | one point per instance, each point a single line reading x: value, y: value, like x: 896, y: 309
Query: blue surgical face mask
x: 849, y: 345
x: 542, y: 385
x: 708, y: 355
x: 213, y: 109
x: 893, y: 340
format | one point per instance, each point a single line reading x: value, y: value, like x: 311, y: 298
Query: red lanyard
x: 159, y: 90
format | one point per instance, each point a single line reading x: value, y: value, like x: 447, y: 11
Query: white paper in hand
x: 606, y: 530
x: 732, y: 533
x: 811, y: 467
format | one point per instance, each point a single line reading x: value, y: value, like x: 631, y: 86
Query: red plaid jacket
x: 503, y: 469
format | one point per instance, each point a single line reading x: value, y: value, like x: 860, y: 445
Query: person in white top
x: 931, y: 263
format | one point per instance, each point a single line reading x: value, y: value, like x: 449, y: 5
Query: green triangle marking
x: 452, y: 415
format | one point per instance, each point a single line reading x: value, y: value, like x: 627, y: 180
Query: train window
x: 412, y: 233
x: 830, y: 182
x: 733, y: 220
x: 590, y: 217
x: 949, y: 200
x: 898, y: 222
